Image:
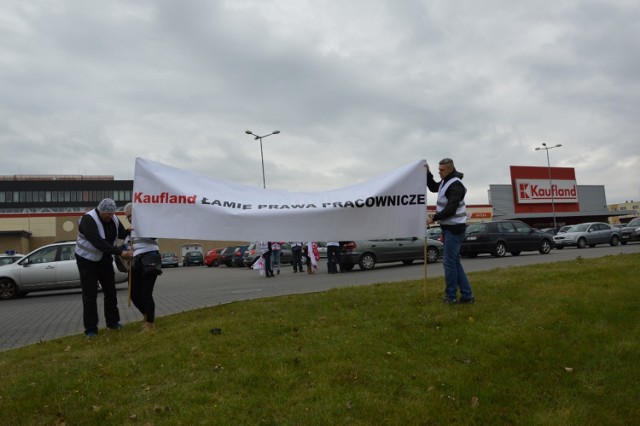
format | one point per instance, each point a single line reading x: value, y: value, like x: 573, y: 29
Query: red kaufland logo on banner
x: 534, y: 191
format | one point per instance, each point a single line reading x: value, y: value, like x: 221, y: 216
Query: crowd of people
x: 303, y: 253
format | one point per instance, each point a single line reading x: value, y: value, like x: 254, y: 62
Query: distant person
x: 313, y: 255
x: 265, y: 250
x: 296, y: 253
x: 143, y: 275
x: 452, y: 215
x: 333, y: 256
x: 276, y: 255
x: 98, y: 234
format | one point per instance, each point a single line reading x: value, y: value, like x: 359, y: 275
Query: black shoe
x: 116, y: 326
x: 466, y: 301
x: 450, y: 301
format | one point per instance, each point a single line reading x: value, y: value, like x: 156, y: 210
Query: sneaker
x: 466, y: 301
x: 90, y: 334
x: 116, y: 326
x: 450, y: 301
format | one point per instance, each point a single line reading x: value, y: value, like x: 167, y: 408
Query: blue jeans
x: 454, y: 275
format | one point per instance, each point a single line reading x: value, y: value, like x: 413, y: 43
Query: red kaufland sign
x: 534, y: 192
x: 537, y: 191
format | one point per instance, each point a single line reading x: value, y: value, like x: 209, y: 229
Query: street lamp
x: 249, y: 132
x: 553, y: 203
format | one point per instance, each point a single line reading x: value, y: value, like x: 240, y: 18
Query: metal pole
x: 264, y: 182
x: 553, y: 201
x: 258, y: 137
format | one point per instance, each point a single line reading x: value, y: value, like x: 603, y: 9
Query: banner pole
x: 129, y: 289
x: 426, y: 239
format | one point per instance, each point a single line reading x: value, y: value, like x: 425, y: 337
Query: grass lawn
x: 551, y: 344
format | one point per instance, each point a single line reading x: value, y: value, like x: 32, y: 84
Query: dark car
x: 238, y: 255
x: 367, y: 253
x: 226, y: 256
x: 212, y: 258
x: 169, y: 260
x: 192, y: 258
x: 631, y: 231
x: 252, y: 254
x: 504, y: 236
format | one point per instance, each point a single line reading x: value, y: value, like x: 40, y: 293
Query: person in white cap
x: 98, y: 234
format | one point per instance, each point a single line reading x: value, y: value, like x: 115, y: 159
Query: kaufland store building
x: 537, y: 194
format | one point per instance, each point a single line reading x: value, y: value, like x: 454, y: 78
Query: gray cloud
x: 357, y: 88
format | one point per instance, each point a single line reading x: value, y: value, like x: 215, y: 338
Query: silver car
x: 368, y: 253
x: 588, y: 234
x: 52, y: 267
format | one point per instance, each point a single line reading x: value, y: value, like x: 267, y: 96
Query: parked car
x: 631, y: 231
x: 252, y: 254
x: 7, y: 259
x: 322, y: 249
x: 435, y: 232
x: 226, y: 255
x: 51, y: 267
x: 563, y: 229
x: 192, y: 258
x: 367, y: 253
x: 169, y: 260
x: 238, y: 255
x: 212, y: 258
x: 504, y: 236
x: 588, y: 234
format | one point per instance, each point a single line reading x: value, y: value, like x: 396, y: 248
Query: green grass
x: 553, y: 344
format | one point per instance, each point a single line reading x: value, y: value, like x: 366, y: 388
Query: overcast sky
x: 356, y: 87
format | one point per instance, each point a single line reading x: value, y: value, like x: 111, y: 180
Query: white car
x: 51, y: 267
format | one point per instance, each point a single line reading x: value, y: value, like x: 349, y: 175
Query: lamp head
x: 275, y: 132
x: 249, y: 132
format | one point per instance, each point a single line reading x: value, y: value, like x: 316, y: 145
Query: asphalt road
x: 50, y: 315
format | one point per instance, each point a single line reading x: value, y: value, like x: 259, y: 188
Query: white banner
x: 174, y: 203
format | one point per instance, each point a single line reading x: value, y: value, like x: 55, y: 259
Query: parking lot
x: 49, y: 315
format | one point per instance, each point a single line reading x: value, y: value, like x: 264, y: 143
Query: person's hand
x: 430, y: 219
x: 127, y: 254
x: 427, y: 166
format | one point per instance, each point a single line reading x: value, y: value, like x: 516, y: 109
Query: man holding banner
x: 452, y: 215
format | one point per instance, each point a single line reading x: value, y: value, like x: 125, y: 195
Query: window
x: 522, y: 228
x: 45, y: 255
x: 506, y: 227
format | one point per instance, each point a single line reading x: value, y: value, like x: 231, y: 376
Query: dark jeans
x: 267, y: 263
x: 90, y: 274
x: 296, y: 252
x: 454, y: 275
x: 333, y: 258
x: 142, y: 290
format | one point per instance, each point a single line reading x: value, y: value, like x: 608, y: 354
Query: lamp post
x: 256, y: 137
x: 553, y: 204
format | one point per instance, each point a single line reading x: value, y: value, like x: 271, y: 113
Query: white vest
x: 85, y: 249
x: 460, y: 217
x: 141, y: 245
